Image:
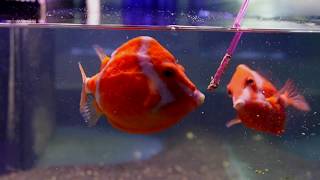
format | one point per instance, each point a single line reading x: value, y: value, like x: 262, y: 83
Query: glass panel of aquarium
x: 106, y: 89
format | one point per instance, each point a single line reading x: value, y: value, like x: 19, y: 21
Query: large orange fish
x: 259, y: 104
x: 141, y: 88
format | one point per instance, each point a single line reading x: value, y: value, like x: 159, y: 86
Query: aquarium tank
x: 153, y: 125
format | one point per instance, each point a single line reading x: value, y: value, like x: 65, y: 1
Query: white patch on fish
x: 257, y: 78
x: 148, y: 69
x: 244, y: 97
x: 259, y: 82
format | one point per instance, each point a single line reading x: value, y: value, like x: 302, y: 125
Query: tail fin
x: 291, y: 96
x: 88, y: 107
x: 102, y: 55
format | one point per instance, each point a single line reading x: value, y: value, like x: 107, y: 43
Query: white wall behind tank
x: 283, y: 8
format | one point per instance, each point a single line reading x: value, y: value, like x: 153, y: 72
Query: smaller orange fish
x: 259, y: 104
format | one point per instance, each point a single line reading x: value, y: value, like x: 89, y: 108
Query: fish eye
x: 168, y: 73
x: 249, y: 81
x: 229, y: 92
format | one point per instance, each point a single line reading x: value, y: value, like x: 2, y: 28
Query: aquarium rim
x: 155, y: 28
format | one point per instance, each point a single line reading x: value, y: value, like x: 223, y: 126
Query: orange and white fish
x: 140, y: 88
x: 259, y: 104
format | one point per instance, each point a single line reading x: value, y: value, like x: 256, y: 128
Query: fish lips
x: 238, y: 104
x: 199, y: 97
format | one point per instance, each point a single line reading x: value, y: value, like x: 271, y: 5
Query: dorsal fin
x: 102, y: 55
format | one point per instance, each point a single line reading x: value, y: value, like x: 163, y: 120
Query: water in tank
x: 145, y: 111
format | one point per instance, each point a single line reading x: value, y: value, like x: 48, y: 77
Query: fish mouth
x: 198, y: 97
x: 238, y: 104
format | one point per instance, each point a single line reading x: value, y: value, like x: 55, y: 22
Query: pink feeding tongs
x: 227, y: 57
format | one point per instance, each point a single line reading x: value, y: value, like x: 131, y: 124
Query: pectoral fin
x: 233, y: 122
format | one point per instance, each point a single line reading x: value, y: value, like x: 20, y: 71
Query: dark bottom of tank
x: 198, y: 157
x: 192, y: 153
